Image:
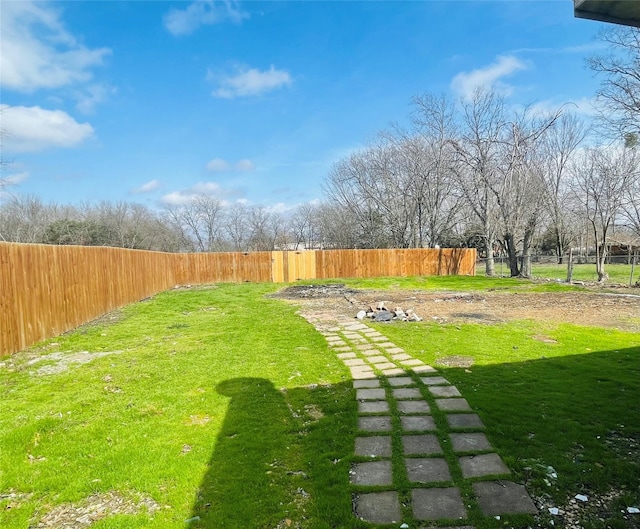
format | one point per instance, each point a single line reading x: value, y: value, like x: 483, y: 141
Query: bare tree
x: 603, y: 177
x: 26, y: 218
x: 631, y: 206
x: 198, y: 221
x: 478, y: 150
x: 236, y: 227
x: 619, y: 92
x: 558, y: 148
x: 304, y: 225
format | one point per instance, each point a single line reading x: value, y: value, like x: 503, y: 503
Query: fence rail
x: 46, y: 290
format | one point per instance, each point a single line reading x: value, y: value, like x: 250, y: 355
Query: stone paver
x: 503, y: 497
x: 373, y: 406
x: 424, y: 444
x: 453, y: 405
x: 384, y: 365
x: 444, y: 391
x: 417, y: 423
x: 412, y: 363
x: 362, y: 375
x: 373, y: 383
x: 370, y: 394
x: 378, y: 507
x: 469, y: 442
x: 372, y: 473
x: 436, y: 504
x: 482, y: 465
x: 377, y: 359
x: 374, y: 424
x: 427, y: 470
x: 354, y: 362
x: 373, y: 446
x: 424, y: 369
x: 413, y: 406
x: 464, y: 420
x: 407, y: 393
x: 393, y: 372
x: 361, y: 369
x: 431, y: 381
x: 400, y: 381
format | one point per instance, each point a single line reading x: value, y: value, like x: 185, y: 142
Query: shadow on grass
x: 279, y: 459
x: 579, y: 414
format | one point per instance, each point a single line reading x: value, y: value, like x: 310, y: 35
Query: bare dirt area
x: 599, y: 309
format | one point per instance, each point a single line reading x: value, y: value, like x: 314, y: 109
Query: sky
x: 154, y: 102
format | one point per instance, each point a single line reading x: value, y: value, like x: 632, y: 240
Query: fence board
x: 46, y: 290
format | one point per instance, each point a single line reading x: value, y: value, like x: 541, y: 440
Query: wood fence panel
x: 46, y: 290
x: 301, y: 265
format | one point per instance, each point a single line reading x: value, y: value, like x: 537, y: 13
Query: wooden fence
x: 46, y: 290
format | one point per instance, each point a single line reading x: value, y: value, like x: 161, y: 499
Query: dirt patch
x: 621, y: 311
x: 94, y: 508
x: 455, y: 361
x: 331, y: 290
x: 63, y: 361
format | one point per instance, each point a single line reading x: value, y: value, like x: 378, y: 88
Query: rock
x: 383, y: 315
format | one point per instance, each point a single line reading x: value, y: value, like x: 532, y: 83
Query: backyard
x: 220, y: 407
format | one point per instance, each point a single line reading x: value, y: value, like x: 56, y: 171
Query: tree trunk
x: 512, y: 254
x: 525, y: 270
x: 490, y: 268
x: 559, y: 248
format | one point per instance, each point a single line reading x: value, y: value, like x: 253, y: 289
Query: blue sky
x: 254, y: 101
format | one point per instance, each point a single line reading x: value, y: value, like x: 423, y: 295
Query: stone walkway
x: 406, y: 407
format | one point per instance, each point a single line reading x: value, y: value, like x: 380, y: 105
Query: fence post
x: 570, y: 266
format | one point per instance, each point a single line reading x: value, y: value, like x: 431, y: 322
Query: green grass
x: 453, y: 283
x: 204, y: 409
x: 229, y: 410
x: 618, y: 273
x: 573, y: 405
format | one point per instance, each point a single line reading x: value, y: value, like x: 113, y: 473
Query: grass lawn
x: 618, y: 273
x: 221, y: 408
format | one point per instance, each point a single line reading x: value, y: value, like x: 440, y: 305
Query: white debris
x: 404, y: 526
x: 554, y: 510
x: 581, y: 497
x: 633, y: 510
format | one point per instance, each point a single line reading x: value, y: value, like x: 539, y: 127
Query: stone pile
x: 381, y: 313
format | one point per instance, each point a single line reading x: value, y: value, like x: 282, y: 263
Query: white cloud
x: 36, y: 51
x: 29, y: 129
x: 218, y: 165
x: 186, y: 196
x: 207, y: 188
x: 147, y: 187
x: 202, y: 13
x: 584, y: 107
x: 250, y: 82
x: 467, y: 83
x: 92, y: 95
x: 245, y: 165
x: 14, y: 179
